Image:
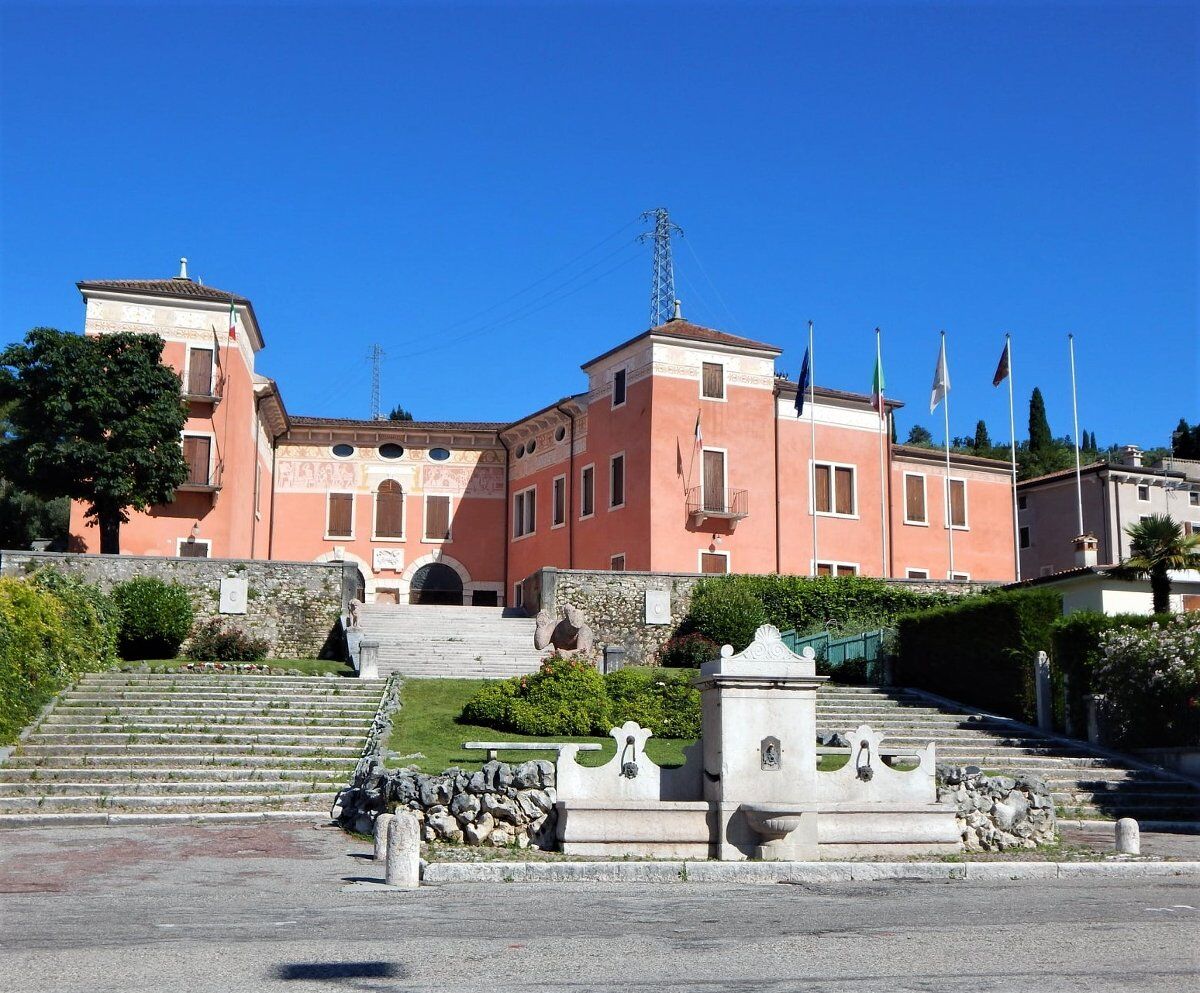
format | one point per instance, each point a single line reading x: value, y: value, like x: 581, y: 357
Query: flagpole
x: 812, y: 465
x: 946, y: 491
x: 1012, y: 433
x: 1075, y: 411
x: 883, y: 542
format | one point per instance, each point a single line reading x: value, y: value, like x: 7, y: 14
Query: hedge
x: 727, y: 609
x: 52, y: 629
x: 980, y: 652
x: 1075, y: 650
x: 156, y: 617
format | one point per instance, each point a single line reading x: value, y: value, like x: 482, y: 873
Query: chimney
x: 678, y: 315
x: 1131, y: 455
x: 1087, y: 550
x: 183, y: 270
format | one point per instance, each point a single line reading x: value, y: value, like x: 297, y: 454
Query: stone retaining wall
x: 295, y: 606
x: 614, y: 603
x: 998, y: 813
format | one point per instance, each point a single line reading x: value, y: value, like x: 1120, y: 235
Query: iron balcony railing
x: 722, y: 504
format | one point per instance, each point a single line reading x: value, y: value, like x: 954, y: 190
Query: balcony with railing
x: 720, y: 504
x: 203, y: 384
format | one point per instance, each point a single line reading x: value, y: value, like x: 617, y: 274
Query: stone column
x: 1045, y: 695
x: 368, y: 660
x: 381, y: 829
x: 403, y: 852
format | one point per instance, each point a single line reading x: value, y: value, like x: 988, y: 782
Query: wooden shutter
x: 437, y: 518
x: 1191, y: 602
x: 341, y: 515
x: 821, y: 481
x: 531, y: 511
x: 618, y: 387
x: 824, y: 569
x: 714, y: 481
x: 200, y: 370
x: 560, y: 501
x: 713, y: 380
x: 617, y: 563
x: 195, y: 453
x: 843, y: 490
x: 389, y: 510
x: 617, y: 496
x: 713, y: 565
x: 914, y: 498
x: 588, y: 495
x: 958, y: 503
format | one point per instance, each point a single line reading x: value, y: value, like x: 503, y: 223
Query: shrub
x: 1150, y: 678
x: 688, y: 651
x: 842, y: 604
x: 51, y: 630
x: 212, y: 641
x: 980, y: 651
x: 565, y: 696
x: 489, y: 706
x: 155, y: 617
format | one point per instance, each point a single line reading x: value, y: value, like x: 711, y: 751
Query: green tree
x: 398, y: 413
x: 982, y: 440
x: 96, y: 419
x: 1158, y: 545
x: 918, y: 435
x: 1040, y: 438
x: 1185, y: 442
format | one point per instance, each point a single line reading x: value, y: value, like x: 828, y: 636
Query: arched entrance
x: 436, y: 583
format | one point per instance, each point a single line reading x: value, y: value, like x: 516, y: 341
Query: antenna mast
x: 662, y: 283
x: 375, y: 356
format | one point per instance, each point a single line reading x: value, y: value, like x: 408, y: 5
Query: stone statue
x: 570, y: 634
x: 354, y: 605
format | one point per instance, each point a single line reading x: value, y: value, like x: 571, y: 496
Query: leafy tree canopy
x: 96, y: 419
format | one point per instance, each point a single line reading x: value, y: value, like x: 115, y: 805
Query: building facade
x: 684, y: 453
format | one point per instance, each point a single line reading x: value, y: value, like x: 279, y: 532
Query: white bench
x: 493, y: 747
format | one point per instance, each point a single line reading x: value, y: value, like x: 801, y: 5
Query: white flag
x: 941, y: 379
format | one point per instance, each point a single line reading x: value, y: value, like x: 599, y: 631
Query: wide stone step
x: 258, y: 700
x: 102, y: 775
x: 160, y: 720
x: 219, y: 679
x: 173, y: 749
x: 272, y: 738
x: 12, y: 805
x: 160, y: 787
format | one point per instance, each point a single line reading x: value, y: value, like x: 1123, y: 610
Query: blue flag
x: 802, y: 385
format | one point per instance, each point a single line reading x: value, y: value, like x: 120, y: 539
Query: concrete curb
x: 83, y: 819
x: 437, y: 873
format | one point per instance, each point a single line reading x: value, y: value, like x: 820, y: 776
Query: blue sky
x: 462, y: 184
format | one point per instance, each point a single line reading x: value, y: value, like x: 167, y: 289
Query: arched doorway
x: 436, y: 583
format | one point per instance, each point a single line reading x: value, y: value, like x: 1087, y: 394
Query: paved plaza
x: 265, y: 907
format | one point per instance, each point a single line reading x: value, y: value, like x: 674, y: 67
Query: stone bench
x: 492, y: 747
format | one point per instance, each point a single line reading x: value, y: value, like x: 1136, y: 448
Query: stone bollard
x: 403, y: 852
x: 368, y: 660
x: 1045, y: 693
x: 381, y: 829
x: 1129, y: 841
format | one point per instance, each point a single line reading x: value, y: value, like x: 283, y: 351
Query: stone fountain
x: 751, y: 787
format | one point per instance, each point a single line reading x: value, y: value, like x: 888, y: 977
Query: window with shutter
x: 617, y: 479
x: 437, y: 518
x: 824, y: 569
x: 196, y: 450
x: 560, y: 501
x: 587, y: 491
x: 714, y: 481
x: 531, y: 511
x: 914, y: 498
x: 821, y: 494
x: 618, y: 389
x: 340, y: 515
x: 843, y: 481
x: 389, y: 510
x: 617, y: 563
x: 713, y: 381
x: 193, y: 549
x: 958, y: 503
x: 200, y: 370
x: 714, y: 564
x: 519, y: 515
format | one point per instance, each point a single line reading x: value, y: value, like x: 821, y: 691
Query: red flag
x: 1002, y: 370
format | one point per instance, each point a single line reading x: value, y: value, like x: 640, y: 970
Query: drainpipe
x: 257, y: 478
x: 568, y: 494
x: 504, y: 517
x: 775, y: 418
x: 271, y: 526
x: 1104, y: 517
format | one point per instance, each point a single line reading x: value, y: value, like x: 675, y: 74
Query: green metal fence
x: 857, y: 658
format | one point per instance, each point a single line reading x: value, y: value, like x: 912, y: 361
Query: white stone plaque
x: 658, y: 606
x: 391, y: 559
x: 233, y: 595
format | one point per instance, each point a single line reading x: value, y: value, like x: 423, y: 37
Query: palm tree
x: 1158, y: 545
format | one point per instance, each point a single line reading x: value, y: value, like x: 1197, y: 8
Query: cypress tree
x: 982, y: 440
x: 1040, y: 438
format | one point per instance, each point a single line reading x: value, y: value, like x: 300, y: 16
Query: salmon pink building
x: 683, y: 452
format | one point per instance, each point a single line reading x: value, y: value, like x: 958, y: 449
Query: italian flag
x: 232, y: 321
x: 877, y: 385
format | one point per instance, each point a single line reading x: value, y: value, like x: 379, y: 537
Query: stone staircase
x: 450, y: 642
x: 138, y: 742
x: 1085, y: 785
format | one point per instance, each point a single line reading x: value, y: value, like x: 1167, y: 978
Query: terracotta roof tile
x: 183, y: 288
x: 687, y: 331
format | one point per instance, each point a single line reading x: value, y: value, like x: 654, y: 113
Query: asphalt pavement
x: 269, y: 907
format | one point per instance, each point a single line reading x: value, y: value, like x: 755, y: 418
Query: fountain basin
x: 788, y: 832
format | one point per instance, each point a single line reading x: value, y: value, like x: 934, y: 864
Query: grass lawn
x: 428, y: 723
x: 309, y: 667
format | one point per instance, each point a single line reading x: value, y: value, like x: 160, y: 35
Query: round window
x: 343, y: 451
x: 560, y: 434
x: 439, y: 454
x: 520, y: 451
x: 530, y: 447
x: 391, y: 450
